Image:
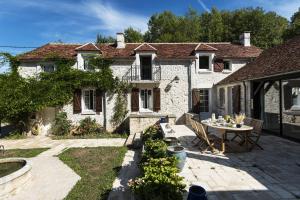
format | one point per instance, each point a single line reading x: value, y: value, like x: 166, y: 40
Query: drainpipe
x: 104, y: 111
x: 245, y: 97
x: 190, y: 86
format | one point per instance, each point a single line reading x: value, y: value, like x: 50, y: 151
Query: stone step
x: 129, y: 140
x: 137, y: 141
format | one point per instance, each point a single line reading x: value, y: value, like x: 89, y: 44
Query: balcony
x: 143, y: 74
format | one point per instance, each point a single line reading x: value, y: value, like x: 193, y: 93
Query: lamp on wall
x: 176, y: 79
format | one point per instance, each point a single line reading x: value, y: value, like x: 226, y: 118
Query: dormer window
x: 227, y: 65
x: 86, y: 62
x: 204, y: 62
x: 48, y: 68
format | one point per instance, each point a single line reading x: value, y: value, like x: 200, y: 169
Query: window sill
x: 143, y: 111
x: 88, y: 112
x: 203, y: 71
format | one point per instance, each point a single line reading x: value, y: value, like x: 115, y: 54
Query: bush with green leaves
x: 160, y: 180
x: 154, y: 149
x: 152, y: 132
x: 88, y: 126
x: 61, y: 125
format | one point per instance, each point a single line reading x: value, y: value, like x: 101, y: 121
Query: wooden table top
x: 220, y: 126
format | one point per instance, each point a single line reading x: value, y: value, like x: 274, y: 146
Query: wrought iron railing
x: 136, y: 73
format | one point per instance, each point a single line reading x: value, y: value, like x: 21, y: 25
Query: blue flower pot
x: 197, y: 192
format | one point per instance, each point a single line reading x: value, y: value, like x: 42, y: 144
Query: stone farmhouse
x: 169, y: 79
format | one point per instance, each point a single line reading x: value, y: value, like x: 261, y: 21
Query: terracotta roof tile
x: 163, y: 50
x: 145, y: 47
x: 204, y: 47
x: 284, y: 58
x: 88, y: 47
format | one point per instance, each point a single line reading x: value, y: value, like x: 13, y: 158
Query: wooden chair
x: 205, y: 139
x: 254, y: 137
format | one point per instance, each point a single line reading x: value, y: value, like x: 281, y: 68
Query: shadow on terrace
x: 272, y: 173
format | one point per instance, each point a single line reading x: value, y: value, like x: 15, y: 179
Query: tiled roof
x: 204, y: 47
x: 88, y: 47
x: 163, y: 50
x: 284, y: 58
x: 145, y: 47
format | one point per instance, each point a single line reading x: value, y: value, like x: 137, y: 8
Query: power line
x: 17, y: 47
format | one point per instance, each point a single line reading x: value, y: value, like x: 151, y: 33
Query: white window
x: 89, y: 100
x: 86, y: 62
x: 48, y: 68
x: 204, y: 62
x: 227, y: 65
x: 296, y: 96
x: 204, y: 100
x: 146, y: 100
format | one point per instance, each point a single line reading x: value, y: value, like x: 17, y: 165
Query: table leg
x: 246, y: 140
x: 223, y: 141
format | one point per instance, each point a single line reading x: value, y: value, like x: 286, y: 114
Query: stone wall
x: 139, y: 123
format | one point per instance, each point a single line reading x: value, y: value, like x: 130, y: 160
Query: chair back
x: 248, y: 121
x: 257, y: 126
x: 202, y: 133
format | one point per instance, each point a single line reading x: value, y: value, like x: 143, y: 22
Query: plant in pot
x: 239, y: 119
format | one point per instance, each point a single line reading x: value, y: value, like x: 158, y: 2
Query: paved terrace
x: 272, y: 173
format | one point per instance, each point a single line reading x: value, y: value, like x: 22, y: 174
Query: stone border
x: 15, y: 180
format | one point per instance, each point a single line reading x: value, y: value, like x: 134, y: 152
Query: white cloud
x: 203, y: 5
x: 93, y: 15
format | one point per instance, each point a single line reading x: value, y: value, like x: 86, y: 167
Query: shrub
x: 152, y: 132
x: 62, y: 125
x: 88, y: 126
x: 154, y: 149
x: 159, y: 181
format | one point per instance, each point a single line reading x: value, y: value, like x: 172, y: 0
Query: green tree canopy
x: 104, y: 39
x: 294, y: 26
x: 132, y: 35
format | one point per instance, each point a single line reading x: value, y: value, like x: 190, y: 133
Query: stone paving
x: 272, y: 173
x: 51, y: 179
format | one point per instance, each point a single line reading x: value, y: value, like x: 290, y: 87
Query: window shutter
x: 135, y: 100
x: 236, y: 99
x: 99, y: 95
x: 77, y: 101
x: 196, y: 101
x: 288, y: 99
x: 218, y: 65
x: 156, y: 99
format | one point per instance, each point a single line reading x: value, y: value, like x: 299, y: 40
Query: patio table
x: 223, y: 129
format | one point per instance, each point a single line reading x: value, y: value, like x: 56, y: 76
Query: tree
x: 104, y: 39
x: 294, y: 26
x: 132, y: 35
x: 212, y: 24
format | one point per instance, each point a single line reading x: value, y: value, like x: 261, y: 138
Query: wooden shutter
x: 218, y: 65
x: 156, y: 99
x: 135, y: 100
x: 77, y: 101
x: 236, y: 99
x: 287, y: 97
x: 99, y: 99
x: 196, y: 101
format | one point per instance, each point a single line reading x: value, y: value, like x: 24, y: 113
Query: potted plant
x: 239, y: 119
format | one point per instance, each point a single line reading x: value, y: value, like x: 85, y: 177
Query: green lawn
x: 25, y: 153
x: 97, y: 167
x: 91, y: 136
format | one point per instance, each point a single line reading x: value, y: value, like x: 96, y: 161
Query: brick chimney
x: 120, y: 41
x: 245, y: 39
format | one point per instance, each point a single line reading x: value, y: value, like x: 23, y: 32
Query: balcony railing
x: 136, y: 73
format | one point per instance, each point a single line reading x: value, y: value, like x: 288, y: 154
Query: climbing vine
x: 20, y: 97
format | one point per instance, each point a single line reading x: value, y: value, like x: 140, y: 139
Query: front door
x: 146, y: 67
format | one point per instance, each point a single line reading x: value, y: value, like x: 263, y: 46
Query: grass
x: 97, y: 167
x: 89, y: 136
x: 24, y: 153
x: 14, y: 136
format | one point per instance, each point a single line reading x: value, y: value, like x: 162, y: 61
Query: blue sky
x: 36, y: 22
